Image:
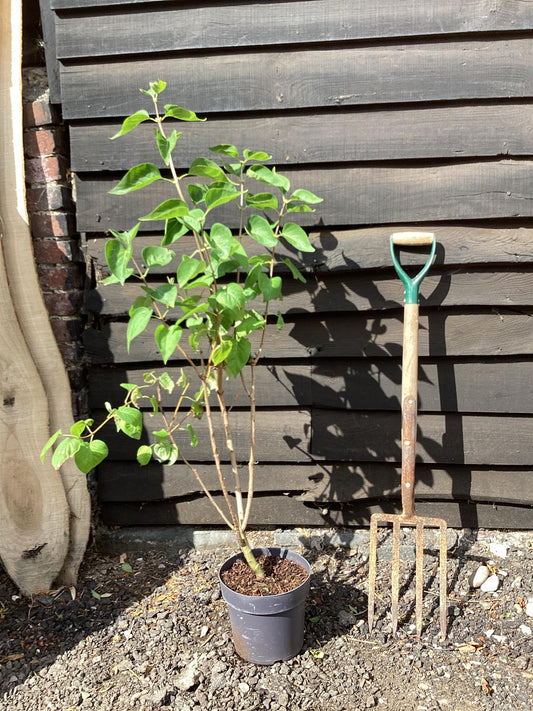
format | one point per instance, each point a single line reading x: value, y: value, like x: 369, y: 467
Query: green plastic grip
x: 412, y: 239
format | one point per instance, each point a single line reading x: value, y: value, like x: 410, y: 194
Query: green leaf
x: 177, y: 112
x: 136, y: 178
x: 205, y: 168
x: 255, y: 155
x: 298, y: 207
x: 66, y: 449
x: 188, y: 269
x: 167, y: 209
x: 270, y: 287
x: 221, y: 239
x: 220, y: 194
x: 192, y: 433
x: 297, y: 237
x: 118, y: 258
x: 262, y: 201
x: 197, y: 192
x: 90, y: 455
x: 166, y: 382
x: 231, y: 296
x: 167, y: 338
x: 306, y: 196
x: 165, y: 293
x: 174, y: 229
x: 296, y: 273
x: 226, y: 149
x: 144, y: 454
x: 131, y: 122
x: 139, y: 319
x: 154, y: 256
x: 129, y: 420
x: 78, y: 428
x: 221, y: 352
x: 280, y: 322
x: 166, y: 145
x: 53, y: 439
x: 156, y: 87
x: 126, y: 567
x: 261, y: 231
x: 269, y: 176
x: 239, y: 356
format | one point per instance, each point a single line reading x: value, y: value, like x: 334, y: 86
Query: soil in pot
x: 282, y: 575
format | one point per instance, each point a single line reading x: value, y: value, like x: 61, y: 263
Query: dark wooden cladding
x: 187, y: 26
x: 306, y: 78
x: 358, y: 436
x: 360, y: 292
x: 397, y: 134
x: 449, y: 385
x: 277, y: 510
x: 500, y: 332
x: 368, y: 248
x: 331, y: 482
x: 401, y: 116
x: 351, y: 195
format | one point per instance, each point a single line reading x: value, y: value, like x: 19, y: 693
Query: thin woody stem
x: 230, y: 448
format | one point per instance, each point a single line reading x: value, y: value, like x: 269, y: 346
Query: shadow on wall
x: 349, y: 459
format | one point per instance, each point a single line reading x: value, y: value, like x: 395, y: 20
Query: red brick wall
x: 56, y: 244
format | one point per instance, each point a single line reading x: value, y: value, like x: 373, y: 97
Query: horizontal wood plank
x: 285, y: 511
x: 442, y: 439
x: 445, y: 385
x: 187, y: 26
x: 337, y: 482
x: 457, y: 132
x: 284, y: 437
x: 354, y: 436
x: 322, y: 77
x: 360, y: 292
x: 497, y: 333
x: 367, y: 248
x: 351, y: 196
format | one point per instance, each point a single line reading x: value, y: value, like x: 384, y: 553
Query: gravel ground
x: 152, y: 633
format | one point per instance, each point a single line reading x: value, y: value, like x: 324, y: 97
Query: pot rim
x: 271, y: 550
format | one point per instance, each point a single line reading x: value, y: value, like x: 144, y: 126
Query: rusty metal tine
x: 395, y: 573
x: 419, y: 575
x: 443, y: 562
x: 372, y: 563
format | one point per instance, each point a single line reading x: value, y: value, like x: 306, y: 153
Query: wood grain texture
x: 330, y: 482
x: 205, y: 25
x: 358, y: 292
x: 417, y: 133
x: 353, y: 250
x: 285, y: 511
x: 351, y: 195
x: 345, y: 435
x: 495, y: 333
x: 447, y: 385
x: 38, y: 345
x: 322, y: 77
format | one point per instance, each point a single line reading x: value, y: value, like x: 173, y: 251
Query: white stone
x: 529, y: 607
x: 478, y: 577
x: 188, y: 678
x: 491, y: 584
x: 499, y: 549
x: 525, y: 629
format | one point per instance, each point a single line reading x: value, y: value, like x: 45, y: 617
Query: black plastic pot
x: 267, y: 629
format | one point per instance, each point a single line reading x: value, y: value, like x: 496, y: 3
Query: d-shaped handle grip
x: 412, y: 239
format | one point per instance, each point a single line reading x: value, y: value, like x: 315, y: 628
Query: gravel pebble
x: 158, y: 638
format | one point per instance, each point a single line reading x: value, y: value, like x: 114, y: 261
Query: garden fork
x: 409, y: 432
